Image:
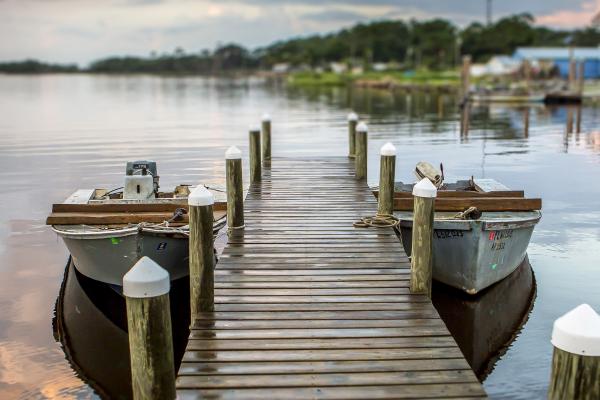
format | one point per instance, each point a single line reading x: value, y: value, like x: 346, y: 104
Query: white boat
x: 473, y: 250
x: 108, y: 232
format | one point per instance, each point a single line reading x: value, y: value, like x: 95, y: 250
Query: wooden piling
x: 201, y: 253
x: 466, y: 76
x: 527, y: 74
x: 576, y: 356
x: 421, y: 266
x: 352, y: 121
x: 266, y: 139
x: 146, y: 290
x: 361, y: 150
x: 581, y: 77
x: 385, y: 201
x: 571, y: 69
x: 254, y: 150
x: 234, y: 188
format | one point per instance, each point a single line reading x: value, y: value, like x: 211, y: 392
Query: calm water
x: 59, y: 133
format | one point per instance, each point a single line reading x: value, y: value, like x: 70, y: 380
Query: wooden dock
x: 307, y: 306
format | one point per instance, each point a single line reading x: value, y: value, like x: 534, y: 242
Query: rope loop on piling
x: 377, y: 221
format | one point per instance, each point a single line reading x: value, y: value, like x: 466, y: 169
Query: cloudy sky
x: 84, y: 30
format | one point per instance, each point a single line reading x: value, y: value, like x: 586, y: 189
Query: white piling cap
x: 233, y: 153
x: 424, y: 188
x: 200, y: 196
x: 362, y: 127
x: 578, y: 331
x: 388, y: 149
x: 266, y: 117
x: 352, y: 117
x: 146, y: 279
x: 254, y: 128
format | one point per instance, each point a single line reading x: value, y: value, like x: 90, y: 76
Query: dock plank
x: 308, y: 306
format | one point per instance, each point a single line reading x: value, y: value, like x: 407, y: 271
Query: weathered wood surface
x: 235, y: 193
x: 361, y: 139
x: 307, y: 306
x: 129, y: 207
x: 483, y: 204
x: 201, y: 260
x: 266, y: 141
x: 387, y: 168
x: 422, y: 246
x: 574, y: 376
x: 462, y: 194
x: 254, y: 151
x: 118, y: 218
x: 151, y: 347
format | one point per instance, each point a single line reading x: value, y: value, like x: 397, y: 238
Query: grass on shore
x: 419, y: 77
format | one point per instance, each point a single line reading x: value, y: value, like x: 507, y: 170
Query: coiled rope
x: 377, y: 221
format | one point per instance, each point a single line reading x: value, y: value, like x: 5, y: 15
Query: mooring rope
x: 377, y: 221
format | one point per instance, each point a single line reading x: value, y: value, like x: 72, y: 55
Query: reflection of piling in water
x: 485, y: 325
x: 464, y: 120
x: 578, y: 122
x: 526, y: 122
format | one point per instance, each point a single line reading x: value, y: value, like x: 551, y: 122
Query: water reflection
x: 485, y: 325
x: 90, y: 323
x: 59, y: 133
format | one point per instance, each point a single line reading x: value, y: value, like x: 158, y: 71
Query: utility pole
x: 489, y: 12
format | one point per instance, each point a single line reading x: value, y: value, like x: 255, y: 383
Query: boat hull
x: 107, y: 258
x: 473, y: 254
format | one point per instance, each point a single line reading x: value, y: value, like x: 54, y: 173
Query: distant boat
x: 106, y: 232
x: 507, y: 98
x: 481, y: 248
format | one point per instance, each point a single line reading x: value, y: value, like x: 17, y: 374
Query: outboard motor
x: 141, y: 180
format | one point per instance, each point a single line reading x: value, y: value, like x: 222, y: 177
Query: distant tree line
x: 435, y: 44
x: 36, y: 67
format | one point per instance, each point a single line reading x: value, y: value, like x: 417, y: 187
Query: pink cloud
x: 571, y: 18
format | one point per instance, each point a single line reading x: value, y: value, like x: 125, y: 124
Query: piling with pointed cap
x: 146, y: 290
x: 352, y: 121
x: 201, y: 256
x: 576, y: 358
x: 360, y: 159
x: 254, y: 149
x: 421, y: 262
x: 234, y: 188
x: 266, y: 139
x: 385, y: 200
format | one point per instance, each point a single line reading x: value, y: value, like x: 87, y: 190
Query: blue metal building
x: 560, y: 56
